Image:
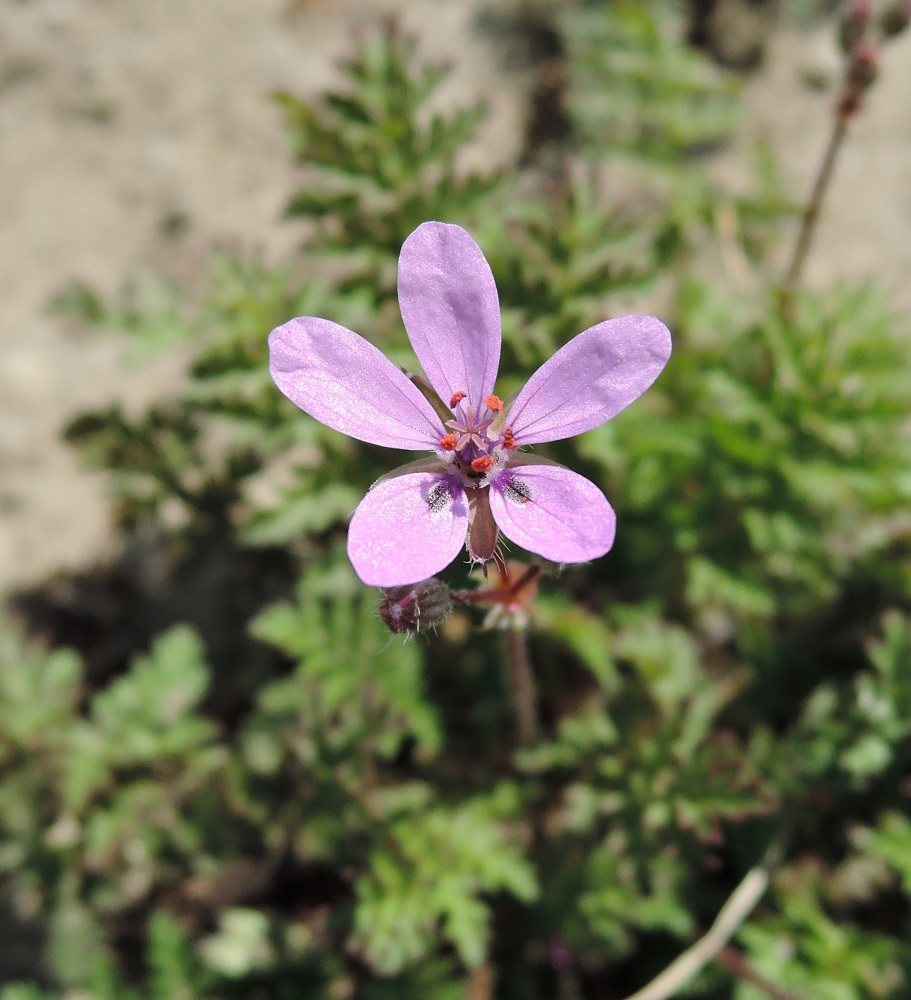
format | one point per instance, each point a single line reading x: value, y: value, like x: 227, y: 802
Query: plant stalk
x: 481, y: 982
x: 814, y: 206
x: 522, y: 684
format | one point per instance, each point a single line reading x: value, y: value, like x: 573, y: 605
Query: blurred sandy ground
x: 864, y: 229
x: 116, y: 115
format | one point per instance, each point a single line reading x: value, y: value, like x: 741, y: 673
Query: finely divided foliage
x: 237, y: 785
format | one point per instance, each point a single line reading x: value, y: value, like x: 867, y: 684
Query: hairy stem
x: 505, y: 592
x: 730, y: 919
x: 522, y: 684
x: 814, y: 207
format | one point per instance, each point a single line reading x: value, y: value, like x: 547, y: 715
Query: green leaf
x: 425, y: 881
x: 353, y: 684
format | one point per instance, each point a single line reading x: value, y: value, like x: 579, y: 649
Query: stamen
x: 483, y: 464
x: 449, y: 442
x: 457, y: 398
x: 494, y: 404
x: 509, y: 439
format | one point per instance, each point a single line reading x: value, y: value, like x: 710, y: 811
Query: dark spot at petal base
x: 517, y: 491
x: 438, y: 497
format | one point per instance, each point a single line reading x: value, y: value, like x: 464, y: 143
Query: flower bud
x: 853, y: 25
x: 895, y: 18
x: 863, y: 68
x: 416, y: 607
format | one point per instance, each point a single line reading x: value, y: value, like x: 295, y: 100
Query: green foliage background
x: 257, y: 794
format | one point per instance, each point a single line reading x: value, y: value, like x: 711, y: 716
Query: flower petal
x: 348, y: 384
x: 554, y: 512
x: 451, y: 310
x: 408, y: 528
x: 591, y: 379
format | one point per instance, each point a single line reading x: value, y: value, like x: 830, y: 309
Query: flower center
x: 477, y: 438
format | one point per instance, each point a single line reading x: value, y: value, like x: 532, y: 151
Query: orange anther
x: 449, y: 442
x: 457, y: 398
x: 494, y: 404
x: 509, y: 439
x: 483, y: 464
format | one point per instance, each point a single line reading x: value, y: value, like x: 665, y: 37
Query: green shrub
x: 276, y: 799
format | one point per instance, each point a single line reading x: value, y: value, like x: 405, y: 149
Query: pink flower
x: 478, y: 481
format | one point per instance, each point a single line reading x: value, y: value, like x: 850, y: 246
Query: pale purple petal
x: 451, y: 310
x: 591, y: 379
x: 554, y: 512
x: 407, y: 529
x: 346, y: 383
